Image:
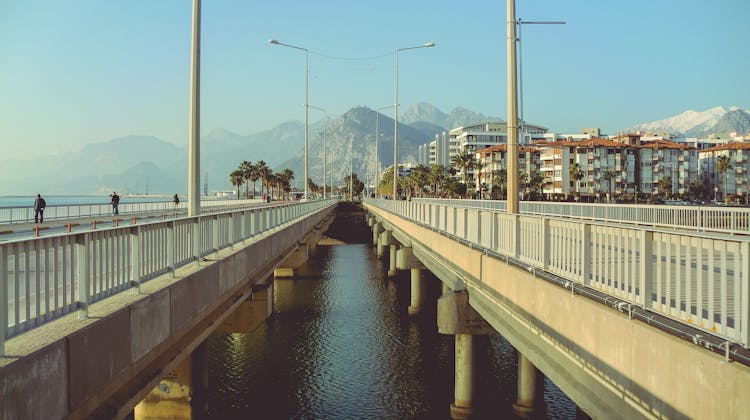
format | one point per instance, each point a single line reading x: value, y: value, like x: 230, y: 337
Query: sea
x: 60, y: 200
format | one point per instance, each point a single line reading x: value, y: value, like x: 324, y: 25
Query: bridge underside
x: 608, y: 364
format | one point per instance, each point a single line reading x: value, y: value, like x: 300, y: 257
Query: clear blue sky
x: 75, y: 72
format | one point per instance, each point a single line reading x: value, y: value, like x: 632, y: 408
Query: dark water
x: 342, y: 346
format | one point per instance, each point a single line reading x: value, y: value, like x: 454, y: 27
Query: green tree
x: 245, y: 168
x: 665, y: 186
x: 464, y: 160
x: 253, y: 175
x: 499, y: 183
x: 237, y: 178
x: 436, y: 176
x: 536, y: 182
x: 723, y: 164
x: 576, y: 174
x: 264, y: 173
x: 357, y: 186
x: 607, y: 176
x: 418, y: 179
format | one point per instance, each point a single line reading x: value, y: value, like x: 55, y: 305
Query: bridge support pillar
x: 392, y: 260
x: 171, y: 398
x: 406, y: 260
x: 384, y: 239
x: 529, y: 378
x: 418, y: 289
x: 376, y: 230
x: 456, y: 317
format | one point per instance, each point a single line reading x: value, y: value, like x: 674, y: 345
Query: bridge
x: 632, y: 311
x: 92, y: 322
x: 640, y: 312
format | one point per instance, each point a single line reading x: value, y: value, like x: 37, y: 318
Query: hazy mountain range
x: 719, y: 121
x: 146, y: 164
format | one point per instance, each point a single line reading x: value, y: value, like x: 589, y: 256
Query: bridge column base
x: 417, y: 291
x: 529, y: 385
x: 376, y: 230
x: 392, y: 261
x: 171, y: 398
x: 384, y: 240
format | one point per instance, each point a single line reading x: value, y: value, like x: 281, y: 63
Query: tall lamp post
x: 325, y: 145
x: 194, y: 170
x: 377, y: 138
x: 307, y: 74
x: 395, y: 120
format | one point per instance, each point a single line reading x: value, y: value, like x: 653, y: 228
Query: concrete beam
x: 250, y: 315
x: 455, y: 316
x: 288, y: 267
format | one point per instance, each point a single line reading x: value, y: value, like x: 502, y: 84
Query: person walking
x: 115, y: 203
x: 39, y: 205
x: 176, y: 201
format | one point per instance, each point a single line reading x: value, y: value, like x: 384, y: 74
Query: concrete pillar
x: 463, y: 393
x: 528, y: 378
x: 418, y: 291
x: 376, y: 231
x: 171, y: 398
x: 457, y: 317
x: 392, y: 261
x: 383, y: 241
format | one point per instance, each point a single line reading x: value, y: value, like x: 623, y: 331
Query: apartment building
x: 734, y: 183
x: 662, y: 159
x: 492, y: 160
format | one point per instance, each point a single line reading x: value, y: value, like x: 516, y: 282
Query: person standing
x: 176, y: 201
x: 115, y: 203
x: 39, y: 205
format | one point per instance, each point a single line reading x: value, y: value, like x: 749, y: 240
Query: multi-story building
x: 492, y: 160
x: 606, y: 166
x: 733, y: 183
x: 662, y: 159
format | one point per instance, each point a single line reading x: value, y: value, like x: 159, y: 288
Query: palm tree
x: 500, y: 181
x: 722, y: 165
x: 435, y: 177
x: 608, y: 175
x: 418, y: 179
x: 253, y: 175
x: 264, y: 172
x: 464, y: 160
x: 245, y: 167
x: 237, y: 178
x: 576, y: 174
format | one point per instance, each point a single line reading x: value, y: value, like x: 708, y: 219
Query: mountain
x: 690, y: 123
x: 733, y: 121
x: 424, y: 112
x: 140, y: 164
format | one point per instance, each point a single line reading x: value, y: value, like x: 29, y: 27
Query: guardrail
x: 25, y: 214
x: 44, y: 278
x: 733, y: 220
x: 698, y: 279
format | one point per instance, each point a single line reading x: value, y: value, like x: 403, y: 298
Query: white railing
x: 695, y: 278
x: 25, y: 214
x: 733, y: 220
x: 44, y: 278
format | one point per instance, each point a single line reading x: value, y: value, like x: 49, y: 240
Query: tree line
x: 275, y: 184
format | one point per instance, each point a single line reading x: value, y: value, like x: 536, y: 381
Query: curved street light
x: 307, y: 73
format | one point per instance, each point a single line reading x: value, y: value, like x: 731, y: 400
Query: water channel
x: 340, y: 345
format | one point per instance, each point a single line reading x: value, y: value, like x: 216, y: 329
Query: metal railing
x: 25, y: 214
x: 44, y: 278
x: 733, y: 220
x: 695, y: 278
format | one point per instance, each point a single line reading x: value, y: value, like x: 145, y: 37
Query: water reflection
x: 341, y: 345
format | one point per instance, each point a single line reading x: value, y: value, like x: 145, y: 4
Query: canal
x: 341, y: 345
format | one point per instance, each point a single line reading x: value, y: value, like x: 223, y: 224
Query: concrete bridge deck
x: 103, y: 358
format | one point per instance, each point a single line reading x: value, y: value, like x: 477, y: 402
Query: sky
x: 84, y: 71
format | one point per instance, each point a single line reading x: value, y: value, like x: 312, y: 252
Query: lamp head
x: 273, y: 41
x: 429, y: 44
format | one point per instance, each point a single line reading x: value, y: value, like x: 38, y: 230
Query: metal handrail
x: 42, y: 279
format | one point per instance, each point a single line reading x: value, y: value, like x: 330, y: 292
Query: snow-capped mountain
x: 691, y: 123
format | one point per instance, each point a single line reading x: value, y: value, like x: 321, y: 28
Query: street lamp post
x: 377, y: 137
x: 307, y: 74
x: 395, y: 120
x: 325, y: 129
x: 194, y: 172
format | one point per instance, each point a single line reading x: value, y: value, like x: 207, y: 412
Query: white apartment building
x: 734, y: 185
x: 493, y: 159
x: 660, y: 159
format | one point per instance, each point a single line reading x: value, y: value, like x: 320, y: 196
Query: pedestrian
x: 115, y: 203
x: 39, y: 205
x: 176, y: 201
